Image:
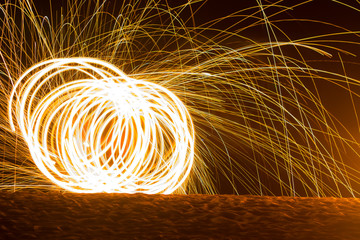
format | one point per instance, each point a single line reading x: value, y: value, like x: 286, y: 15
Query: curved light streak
x: 91, y: 128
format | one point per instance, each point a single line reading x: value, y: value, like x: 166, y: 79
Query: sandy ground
x: 34, y: 214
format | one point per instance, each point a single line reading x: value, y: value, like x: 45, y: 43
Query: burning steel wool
x: 102, y: 131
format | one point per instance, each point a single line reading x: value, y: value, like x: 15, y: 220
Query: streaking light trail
x: 91, y: 128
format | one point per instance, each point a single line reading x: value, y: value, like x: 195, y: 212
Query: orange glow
x: 91, y: 128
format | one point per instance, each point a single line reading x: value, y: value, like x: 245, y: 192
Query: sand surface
x: 35, y: 214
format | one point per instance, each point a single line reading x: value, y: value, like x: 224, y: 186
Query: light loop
x: 91, y: 128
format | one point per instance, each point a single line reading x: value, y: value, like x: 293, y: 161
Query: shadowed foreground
x: 33, y: 214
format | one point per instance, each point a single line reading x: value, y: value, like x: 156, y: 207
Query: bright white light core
x: 91, y: 128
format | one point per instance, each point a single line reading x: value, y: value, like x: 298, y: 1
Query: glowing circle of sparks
x: 91, y: 128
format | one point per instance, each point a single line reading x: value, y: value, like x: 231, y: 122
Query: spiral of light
x: 91, y: 128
